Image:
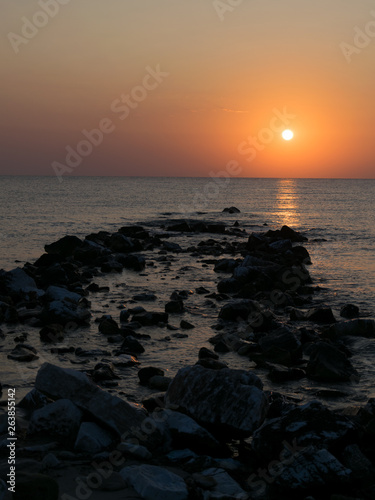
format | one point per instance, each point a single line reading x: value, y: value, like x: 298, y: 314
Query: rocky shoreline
x: 210, y: 431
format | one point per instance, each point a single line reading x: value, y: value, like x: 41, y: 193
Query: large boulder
x: 60, y: 419
x: 18, y: 281
x: 64, y: 246
x: 311, y: 424
x: 155, y: 483
x: 65, y: 311
x: 327, y: 363
x: 66, y: 383
x: 123, y: 244
x: 92, y: 438
x: 225, y: 400
x: 282, y: 338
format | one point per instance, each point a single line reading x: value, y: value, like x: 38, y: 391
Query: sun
x: 287, y: 135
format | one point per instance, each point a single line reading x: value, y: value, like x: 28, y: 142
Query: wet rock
x: 23, y: 352
x: 92, y: 438
x: 52, y: 333
x: 123, y: 244
x: 321, y: 315
x: 225, y: 486
x: 155, y: 483
x: 355, y: 327
x: 62, y: 294
x: 64, y: 246
x: 311, y: 424
x: 174, y: 306
x: 134, y: 450
x: 90, y: 253
x: 131, y: 345
x: 64, y: 312
x: 150, y: 318
x: 60, y: 419
x: 229, y: 285
x: 186, y: 433
x: 222, y: 347
x: 104, y: 371
x: 145, y: 297
x: 34, y: 400
x: 144, y: 374
x: 182, y: 227
x: 360, y: 465
x: 172, y: 247
x: 125, y: 360
x: 112, y: 411
x: 159, y: 382
x: 18, y: 281
x: 282, y: 338
x: 212, y: 364
x: 282, y: 374
x: 311, y: 471
x: 108, y: 326
x: 185, y: 325
x: 133, y: 261
x: 327, y: 363
x: 201, y: 290
x: 35, y: 487
x: 232, y: 210
x: 134, y: 232
x: 349, y: 311
x: 225, y: 265
x: 153, y: 402
x: 88, y: 353
x: 207, y: 353
x: 232, y: 400
x: 285, y: 233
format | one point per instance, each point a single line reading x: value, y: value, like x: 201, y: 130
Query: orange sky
x: 228, y: 69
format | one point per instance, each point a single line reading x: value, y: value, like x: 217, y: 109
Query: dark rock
x: 310, y: 424
x: 23, y: 352
x: 225, y: 265
x: 172, y: 247
x: 230, y: 400
x: 222, y: 347
x: 151, y: 318
x: 185, y: 325
x: 92, y: 438
x: 229, y: 285
x: 88, y: 353
x: 321, y: 315
x: 285, y: 233
x: 124, y: 315
x: 134, y: 232
x: 174, y: 306
x: 133, y: 261
x: 145, y: 297
x: 237, y: 310
x: 52, y: 333
x: 159, y: 382
x: 182, y: 227
x: 104, y: 371
x: 123, y: 244
x: 131, y: 345
x: 34, y: 400
x: 282, y: 338
x: 35, y: 487
x: 108, y: 326
x: 327, y: 363
x: 153, y: 402
x: 349, y: 311
x: 355, y: 327
x: 146, y: 373
x: 60, y: 419
x: 64, y: 312
x: 212, y: 364
x: 282, y: 374
x: 232, y: 210
x: 207, y: 353
x: 112, y: 411
x: 310, y: 471
x: 90, y: 252
x: 64, y: 246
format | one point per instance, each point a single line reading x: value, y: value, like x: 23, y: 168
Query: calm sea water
x: 39, y: 210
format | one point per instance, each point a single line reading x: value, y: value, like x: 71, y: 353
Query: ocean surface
x: 338, y: 216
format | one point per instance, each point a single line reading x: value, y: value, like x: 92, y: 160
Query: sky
x: 188, y: 87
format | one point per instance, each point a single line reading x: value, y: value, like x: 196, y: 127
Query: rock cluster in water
x: 211, y: 432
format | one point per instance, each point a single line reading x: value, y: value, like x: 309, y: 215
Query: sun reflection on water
x: 287, y: 205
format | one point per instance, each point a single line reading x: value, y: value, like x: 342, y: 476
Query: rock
x: 282, y: 338
x: 310, y: 424
x: 155, y: 483
x: 112, y: 411
x: 172, y: 247
x: 282, y: 374
x: 60, y: 419
x: 212, y: 364
x: 222, y: 347
x: 207, y: 353
x: 88, y: 353
x: 174, y: 306
x: 355, y: 327
x: 349, y: 311
x: 230, y: 400
x: 133, y: 261
x: 90, y: 253
x: 34, y: 400
x: 104, y: 371
x: 153, y: 402
x: 321, y: 315
x: 64, y: 312
x: 186, y: 433
x: 135, y: 450
x: 23, y: 352
x: 232, y: 210
x: 108, y: 326
x: 35, y: 487
x: 52, y: 333
x: 159, y: 382
x: 327, y: 363
x: 18, y: 281
x: 225, y: 265
x: 225, y: 486
x: 124, y: 315
x: 92, y: 438
x: 281, y: 246
x: 62, y: 294
x: 185, y: 325
x: 237, y: 310
x: 131, y: 345
x: 145, y: 297
x: 201, y: 290
x: 360, y: 465
x: 123, y: 244
x: 150, y: 318
x: 124, y: 360
x: 229, y: 285
x: 309, y: 471
x: 144, y: 374
x: 50, y: 461
x: 285, y: 233
x: 64, y: 246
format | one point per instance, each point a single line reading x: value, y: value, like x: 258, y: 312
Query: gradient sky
x: 226, y: 77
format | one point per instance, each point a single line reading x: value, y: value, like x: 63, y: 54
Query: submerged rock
x: 230, y: 400
x: 349, y: 311
x: 232, y: 210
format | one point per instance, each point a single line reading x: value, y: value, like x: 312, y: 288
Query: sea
x: 337, y: 215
